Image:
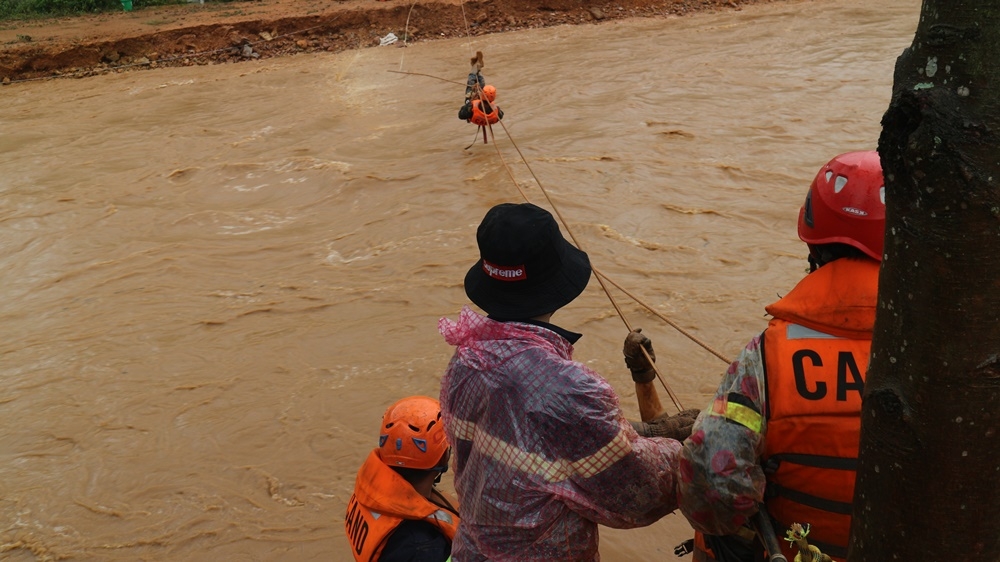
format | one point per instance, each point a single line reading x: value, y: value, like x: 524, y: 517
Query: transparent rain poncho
x: 541, y: 450
x: 721, y: 480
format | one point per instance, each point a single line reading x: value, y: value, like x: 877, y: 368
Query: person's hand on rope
x: 676, y: 427
x: 640, y: 367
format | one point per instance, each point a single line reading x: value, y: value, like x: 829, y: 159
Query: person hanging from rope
x: 396, y: 513
x: 479, y: 107
x: 543, y: 453
x: 475, y: 82
x: 784, y: 426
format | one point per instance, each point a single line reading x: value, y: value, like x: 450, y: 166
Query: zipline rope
x: 600, y: 278
x: 600, y: 274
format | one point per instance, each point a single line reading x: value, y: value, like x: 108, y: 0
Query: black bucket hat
x: 526, y: 267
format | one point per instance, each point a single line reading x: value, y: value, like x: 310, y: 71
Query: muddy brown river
x: 216, y: 278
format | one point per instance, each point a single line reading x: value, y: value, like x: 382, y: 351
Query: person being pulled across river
x: 479, y: 107
x: 784, y: 426
x: 396, y: 513
x: 543, y: 453
x: 475, y: 83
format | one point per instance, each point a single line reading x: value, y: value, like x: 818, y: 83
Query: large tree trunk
x: 929, y: 472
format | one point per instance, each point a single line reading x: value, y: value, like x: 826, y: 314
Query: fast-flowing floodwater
x: 215, y: 279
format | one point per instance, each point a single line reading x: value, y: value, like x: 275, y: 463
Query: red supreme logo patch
x: 505, y: 273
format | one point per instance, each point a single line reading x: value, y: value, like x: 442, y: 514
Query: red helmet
x: 490, y: 93
x: 412, y: 434
x: 846, y: 204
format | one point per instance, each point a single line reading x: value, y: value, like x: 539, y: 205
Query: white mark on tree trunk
x: 931, y: 68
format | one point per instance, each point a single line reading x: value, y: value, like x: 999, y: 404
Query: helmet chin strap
x: 442, y: 466
x: 816, y: 260
x: 822, y: 254
x: 813, y: 263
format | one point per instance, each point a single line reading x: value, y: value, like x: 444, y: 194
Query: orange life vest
x: 482, y: 118
x: 382, y: 500
x: 816, y: 351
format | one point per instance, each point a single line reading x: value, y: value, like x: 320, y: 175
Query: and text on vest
x: 357, y: 527
x: 846, y: 364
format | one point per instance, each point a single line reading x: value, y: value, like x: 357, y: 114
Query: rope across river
x: 603, y: 279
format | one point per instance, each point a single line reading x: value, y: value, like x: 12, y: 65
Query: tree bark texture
x: 929, y: 470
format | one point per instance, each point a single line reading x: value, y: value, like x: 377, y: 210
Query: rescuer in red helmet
x: 396, y: 514
x: 784, y: 426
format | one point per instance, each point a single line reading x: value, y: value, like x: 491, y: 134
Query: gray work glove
x: 641, y: 369
x: 673, y: 427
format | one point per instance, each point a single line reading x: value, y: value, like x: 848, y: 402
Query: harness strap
x: 809, y: 500
x: 817, y: 461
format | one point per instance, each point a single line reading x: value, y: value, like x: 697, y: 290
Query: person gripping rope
x: 482, y: 111
x: 543, y: 453
x: 784, y: 426
x: 396, y: 513
x: 479, y: 107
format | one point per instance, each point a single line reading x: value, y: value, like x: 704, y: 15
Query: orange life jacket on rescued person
x: 816, y: 350
x: 382, y: 500
x: 483, y: 117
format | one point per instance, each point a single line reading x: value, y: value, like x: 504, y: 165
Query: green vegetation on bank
x: 28, y: 9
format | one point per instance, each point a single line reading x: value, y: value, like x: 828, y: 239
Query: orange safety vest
x: 816, y: 350
x: 481, y: 117
x: 382, y: 500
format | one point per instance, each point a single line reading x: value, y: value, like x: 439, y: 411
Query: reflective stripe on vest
x: 731, y: 409
x: 554, y: 470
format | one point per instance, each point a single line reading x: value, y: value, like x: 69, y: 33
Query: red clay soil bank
x: 212, y: 37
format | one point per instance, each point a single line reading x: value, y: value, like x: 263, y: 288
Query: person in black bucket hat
x: 526, y: 268
x: 542, y: 451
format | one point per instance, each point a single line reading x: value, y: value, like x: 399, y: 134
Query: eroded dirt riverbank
x: 200, y: 34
